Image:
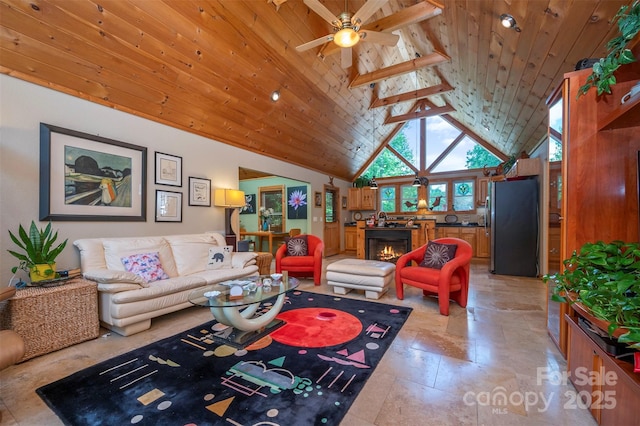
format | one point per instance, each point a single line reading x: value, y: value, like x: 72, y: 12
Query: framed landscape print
x: 168, y: 206
x: 168, y: 169
x: 199, y: 192
x: 86, y: 177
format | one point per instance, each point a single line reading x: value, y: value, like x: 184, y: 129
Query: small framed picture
x: 344, y: 203
x: 199, y: 192
x: 168, y: 169
x: 318, y: 199
x: 168, y: 206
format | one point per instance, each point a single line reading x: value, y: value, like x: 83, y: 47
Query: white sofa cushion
x: 106, y: 276
x: 117, y: 248
x: 191, y: 252
x: 91, y: 253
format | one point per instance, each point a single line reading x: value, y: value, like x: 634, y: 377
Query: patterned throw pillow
x: 219, y: 257
x: 297, y: 246
x: 145, y: 265
x: 437, y: 254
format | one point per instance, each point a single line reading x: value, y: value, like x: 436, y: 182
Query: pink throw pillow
x: 145, y: 265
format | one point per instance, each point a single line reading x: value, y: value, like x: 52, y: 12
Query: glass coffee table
x: 235, y: 303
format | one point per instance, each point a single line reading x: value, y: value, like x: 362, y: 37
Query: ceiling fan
x: 347, y: 29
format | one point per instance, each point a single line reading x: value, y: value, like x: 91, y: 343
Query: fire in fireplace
x: 387, y: 245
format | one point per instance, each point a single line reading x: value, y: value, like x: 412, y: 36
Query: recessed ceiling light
x: 509, y: 21
x: 275, y: 96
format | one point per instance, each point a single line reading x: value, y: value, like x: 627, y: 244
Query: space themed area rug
x: 307, y: 372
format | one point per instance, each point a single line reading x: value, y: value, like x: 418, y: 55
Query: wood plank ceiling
x: 209, y: 67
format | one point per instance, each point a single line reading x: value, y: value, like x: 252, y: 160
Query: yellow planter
x: 42, y: 272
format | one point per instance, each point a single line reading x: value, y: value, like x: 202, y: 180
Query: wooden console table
x: 52, y: 318
x: 261, y: 235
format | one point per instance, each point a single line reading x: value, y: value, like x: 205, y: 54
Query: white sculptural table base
x: 245, y: 324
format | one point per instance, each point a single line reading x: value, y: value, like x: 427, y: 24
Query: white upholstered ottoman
x: 372, y: 276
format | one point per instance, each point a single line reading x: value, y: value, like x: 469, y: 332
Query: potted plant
x: 39, y: 257
x: 603, y: 279
x: 602, y: 78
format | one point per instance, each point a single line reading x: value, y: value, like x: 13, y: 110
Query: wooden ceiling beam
x: 407, y: 16
x: 410, y: 96
x: 419, y: 114
x: 429, y: 60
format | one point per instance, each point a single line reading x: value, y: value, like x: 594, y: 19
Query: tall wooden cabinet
x: 601, y: 151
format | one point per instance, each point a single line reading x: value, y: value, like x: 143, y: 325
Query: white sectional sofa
x: 127, y: 302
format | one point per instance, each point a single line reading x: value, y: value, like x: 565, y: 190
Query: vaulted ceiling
x: 209, y: 67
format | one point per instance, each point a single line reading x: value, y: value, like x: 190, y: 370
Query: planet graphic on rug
x: 316, y: 327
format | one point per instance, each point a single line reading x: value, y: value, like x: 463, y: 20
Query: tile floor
x: 439, y: 370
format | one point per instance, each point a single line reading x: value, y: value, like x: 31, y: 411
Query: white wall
x: 23, y: 106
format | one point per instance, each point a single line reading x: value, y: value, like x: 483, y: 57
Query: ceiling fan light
x: 416, y: 181
x: 346, y: 37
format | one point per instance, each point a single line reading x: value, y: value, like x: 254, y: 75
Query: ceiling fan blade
x: 321, y: 10
x: 346, y: 57
x: 368, y: 9
x: 313, y: 43
x: 388, y: 39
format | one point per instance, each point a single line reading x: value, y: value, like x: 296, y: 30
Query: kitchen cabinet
x: 608, y: 386
x: 524, y: 167
x: 483, y: 242
x: 350, y: 239
x: 467, y: 233
x: 362, y: 199
x: 483, y: 191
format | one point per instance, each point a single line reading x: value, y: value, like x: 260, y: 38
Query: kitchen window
x: 387, y: 198
x: 408, y: 199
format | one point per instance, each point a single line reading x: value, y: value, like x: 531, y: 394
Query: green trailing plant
x: 602, y: 78
x: 605, y: 278
x: 37, y: 246
x: 362, y: 181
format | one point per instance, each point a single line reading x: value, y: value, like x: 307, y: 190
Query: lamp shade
x: 229, y: 198
x: 422, y: 204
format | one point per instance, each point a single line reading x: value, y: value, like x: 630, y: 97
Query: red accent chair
x: 450, y: 282
x: 302, y: 266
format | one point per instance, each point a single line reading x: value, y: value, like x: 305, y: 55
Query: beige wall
x: 23, y: 106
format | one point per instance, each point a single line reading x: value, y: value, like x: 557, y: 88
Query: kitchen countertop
x: 438, y: 225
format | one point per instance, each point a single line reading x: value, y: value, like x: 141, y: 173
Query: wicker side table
x: 264, y: 262
x: 52, y: 318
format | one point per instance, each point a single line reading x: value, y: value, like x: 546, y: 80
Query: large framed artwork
x: 168, y: 169
x: 85, y: 177
x: 199, y: 192
x: 168, y: 206
x: 297, y: 202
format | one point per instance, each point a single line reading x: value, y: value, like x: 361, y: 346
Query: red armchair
x: 450, y: 282
x: 302, y: 266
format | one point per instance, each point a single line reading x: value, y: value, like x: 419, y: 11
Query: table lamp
x: 230, y: 199
x: 422, y: 207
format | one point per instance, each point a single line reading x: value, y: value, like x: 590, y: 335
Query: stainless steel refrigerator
x: 514, y: 227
